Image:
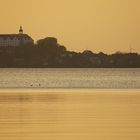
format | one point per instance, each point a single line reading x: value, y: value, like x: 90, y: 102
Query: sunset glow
x: 97, y: 25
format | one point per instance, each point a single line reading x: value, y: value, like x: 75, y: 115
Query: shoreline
x: 67, y: 90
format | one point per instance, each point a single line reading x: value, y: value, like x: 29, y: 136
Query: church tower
x: 20, y: 30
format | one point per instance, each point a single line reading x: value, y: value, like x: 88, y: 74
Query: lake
x: 69, y: 104
x: 74, y: 114
x: 70, y: 78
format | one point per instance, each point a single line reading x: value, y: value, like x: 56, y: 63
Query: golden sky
x: 98, y: 25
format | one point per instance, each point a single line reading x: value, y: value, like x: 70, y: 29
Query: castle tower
x: 20, y: 30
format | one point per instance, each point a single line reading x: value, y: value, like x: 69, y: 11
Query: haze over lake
x: 70, y: 78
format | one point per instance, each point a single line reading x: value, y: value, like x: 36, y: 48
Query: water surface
x: 70, y: 115
x: 70, y: 78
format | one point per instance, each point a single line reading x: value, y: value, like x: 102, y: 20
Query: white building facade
x: 15, y: 40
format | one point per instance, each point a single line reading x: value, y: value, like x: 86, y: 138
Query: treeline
x: 47, y: 53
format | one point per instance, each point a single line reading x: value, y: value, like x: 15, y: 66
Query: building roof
x: 18, y: 36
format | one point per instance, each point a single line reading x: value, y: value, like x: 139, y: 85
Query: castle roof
x: 18, y: 36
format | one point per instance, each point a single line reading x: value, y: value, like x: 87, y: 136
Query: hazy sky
x: 98, y: 25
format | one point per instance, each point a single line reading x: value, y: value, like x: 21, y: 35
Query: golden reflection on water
x: 70, y: 115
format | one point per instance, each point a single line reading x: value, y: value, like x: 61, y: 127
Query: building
x: 15, y: 40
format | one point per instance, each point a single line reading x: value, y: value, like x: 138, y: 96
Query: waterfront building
x: 15, y: 40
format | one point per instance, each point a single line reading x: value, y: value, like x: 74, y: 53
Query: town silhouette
x: 20, y: 51
x: 47, y: 53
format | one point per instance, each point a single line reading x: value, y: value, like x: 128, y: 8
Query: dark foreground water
x: 70, y: 115
x: 70, y: 78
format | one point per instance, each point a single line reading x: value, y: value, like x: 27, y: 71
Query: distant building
x: 15, y: 40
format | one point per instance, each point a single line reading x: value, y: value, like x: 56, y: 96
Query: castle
x: 15, y: 40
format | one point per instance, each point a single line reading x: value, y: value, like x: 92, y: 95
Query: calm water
x: 70, y: 78
x: 70, y: 115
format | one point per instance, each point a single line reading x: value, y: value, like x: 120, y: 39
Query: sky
x: 97, y: 25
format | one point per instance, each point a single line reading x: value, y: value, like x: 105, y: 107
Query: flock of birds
x: 33, y: 85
